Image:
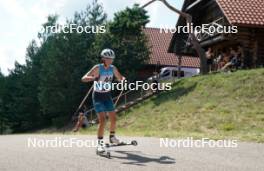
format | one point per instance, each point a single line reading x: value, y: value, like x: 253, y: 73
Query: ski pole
x: 84, y: 99
x: 120, y: 94
x: 79, y: 107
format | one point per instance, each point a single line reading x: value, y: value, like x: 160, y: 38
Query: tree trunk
x: 199, y: 50
x: 179, y: 66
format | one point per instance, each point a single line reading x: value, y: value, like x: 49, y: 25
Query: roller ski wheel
x: 134, y: 143
x: 106, y: 154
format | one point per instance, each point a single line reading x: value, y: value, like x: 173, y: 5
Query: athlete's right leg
x: 100, y: 131
x: 101, y: 125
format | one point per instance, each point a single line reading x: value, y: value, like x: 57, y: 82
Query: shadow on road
x: 141, y: 159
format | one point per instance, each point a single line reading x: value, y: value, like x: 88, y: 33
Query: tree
x: 96, y: 14
x: 2, y: 91
x: 47, y: 31
x: 19, y: 100
x: 128, y: 40
x: 46, y: 90
x: 32, y: 81
x: 199, y: 50
x: 67, y: 58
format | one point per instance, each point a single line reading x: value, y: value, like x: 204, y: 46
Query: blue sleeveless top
x: 105, y: 78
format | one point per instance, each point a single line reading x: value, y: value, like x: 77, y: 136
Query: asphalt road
x: 17, y: 153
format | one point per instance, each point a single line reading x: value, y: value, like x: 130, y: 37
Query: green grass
x: 219, y: 106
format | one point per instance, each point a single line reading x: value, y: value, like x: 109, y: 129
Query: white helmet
x: 108, y: 53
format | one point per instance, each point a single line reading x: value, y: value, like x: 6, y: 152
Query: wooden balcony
x: 206, y: 34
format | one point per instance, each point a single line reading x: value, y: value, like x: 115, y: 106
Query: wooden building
x: 246, y: 15
x: 158, y: 43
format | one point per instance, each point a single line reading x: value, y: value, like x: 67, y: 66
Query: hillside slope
x: 214, y: 106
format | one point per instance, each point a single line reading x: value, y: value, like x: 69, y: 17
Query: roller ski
x: 115, y: 142
x: 101, y: 150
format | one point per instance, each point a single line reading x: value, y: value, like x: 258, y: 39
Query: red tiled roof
x: 159, y: 44
x: 243, y: 12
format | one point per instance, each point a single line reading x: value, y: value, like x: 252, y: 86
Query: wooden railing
x: 126, y: 100
x: 202, y: 36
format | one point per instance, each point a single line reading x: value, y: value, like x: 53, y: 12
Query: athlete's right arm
x: 91, y: 75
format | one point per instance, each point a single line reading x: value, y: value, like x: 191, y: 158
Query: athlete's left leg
x: 112, y: 137
x: 112, y: 118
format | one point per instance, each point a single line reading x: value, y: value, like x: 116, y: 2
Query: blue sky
x: 22, y: 19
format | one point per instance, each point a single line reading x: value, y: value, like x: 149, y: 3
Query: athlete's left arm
x: 117, y: 74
